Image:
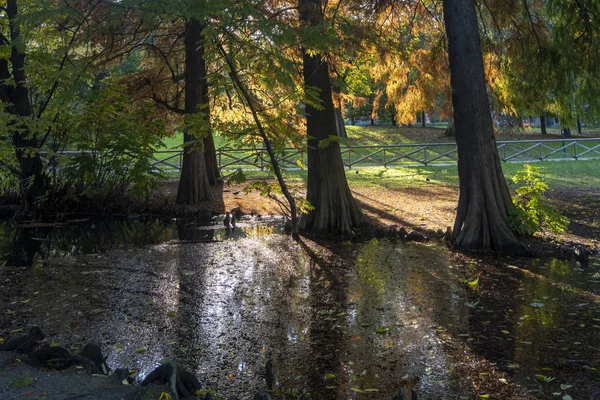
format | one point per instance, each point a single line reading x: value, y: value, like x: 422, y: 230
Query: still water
x: 352, y: 320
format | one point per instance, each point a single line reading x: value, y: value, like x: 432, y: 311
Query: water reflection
x: 341, y: 321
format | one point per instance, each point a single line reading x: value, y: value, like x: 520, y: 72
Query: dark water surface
x: 341, y: 321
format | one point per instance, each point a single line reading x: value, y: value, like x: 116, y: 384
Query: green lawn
x: 560, y: 174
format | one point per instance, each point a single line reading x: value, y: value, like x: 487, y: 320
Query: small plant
x: 531, y: 210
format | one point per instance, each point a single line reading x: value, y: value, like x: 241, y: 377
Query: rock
x: 124, y: 376
x: 180, y: 382
x: 53, y: 357
x: 93, y: 352
x: 26, y: 343
x: 414, y: 236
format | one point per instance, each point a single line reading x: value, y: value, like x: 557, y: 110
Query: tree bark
x: 423, y: 118
x: 336, y: 211
x: 210, y: 153
x: 340, y: 127
x: 578, y: 125
x: 16, y: 96
x: 543, y: 124
x: 482, y: 217
x: 194, y: 183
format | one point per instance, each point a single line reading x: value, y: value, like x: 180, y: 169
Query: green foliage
x: 117, y: 141
x: 531, y: 210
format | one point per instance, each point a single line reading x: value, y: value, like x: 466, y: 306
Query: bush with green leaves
x: 531, y: 211
x: 117, y: 140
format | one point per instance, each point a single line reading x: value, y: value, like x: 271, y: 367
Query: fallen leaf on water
x: 484, y: 396
x: 140, y: 350
x: 565, y: 386
x: 329, y: 375
x: 356, y: 390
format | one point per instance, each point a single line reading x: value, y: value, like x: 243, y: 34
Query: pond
x: 339, y: 320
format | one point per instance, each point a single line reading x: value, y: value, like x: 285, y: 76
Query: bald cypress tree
x: 335, y: 210
x: 482, y: 217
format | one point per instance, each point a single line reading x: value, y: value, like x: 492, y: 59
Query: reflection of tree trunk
x: 340, y: 127
x: 482, y: 216
x: 336, y: 211
x: 194, y: 182
x: 543, y: 124
x: 326, y: 335
x: 25, y: 248
x: 192, y: 233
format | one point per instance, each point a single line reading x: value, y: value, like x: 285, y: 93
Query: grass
x: 571, y: 175
x: 583, y: 175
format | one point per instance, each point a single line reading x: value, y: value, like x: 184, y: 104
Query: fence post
x: 541, y: 154
x: 384, y: 162
x: 425, y: 155
x: 575, y: 150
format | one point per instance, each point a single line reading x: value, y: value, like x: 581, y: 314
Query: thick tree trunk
x: 543, y: 124
x: 482, y: 216
x: 336, y: 212
x: 210, y: 153
x: 16, y: 96
x: 340, y: 127
x: 423, y: 118
x: 194, y: 183
x: 210, y: 157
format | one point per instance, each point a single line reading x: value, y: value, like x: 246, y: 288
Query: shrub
x: 531, y: 211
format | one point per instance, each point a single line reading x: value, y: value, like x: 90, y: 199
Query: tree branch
x: 166, y: 105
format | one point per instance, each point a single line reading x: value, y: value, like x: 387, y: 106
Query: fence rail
x: 398, y: 155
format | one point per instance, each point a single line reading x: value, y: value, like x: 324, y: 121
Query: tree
x: 194, y: 184
x: 14, y: 93
x: 482, y: 217
x: 336, y: 211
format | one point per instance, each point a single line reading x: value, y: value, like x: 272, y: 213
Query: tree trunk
x: 566, y: 133
x: 210, y: 153
x: 16, y: 96
x: 543, y: 124
x: 482, y: 217
x: 194, y: 184
x: 423, y: 118
x: 340, y: 127
x: 336, y: 212
x: 578, y: 125
x: 210, y: 157
x: 372, y: 122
